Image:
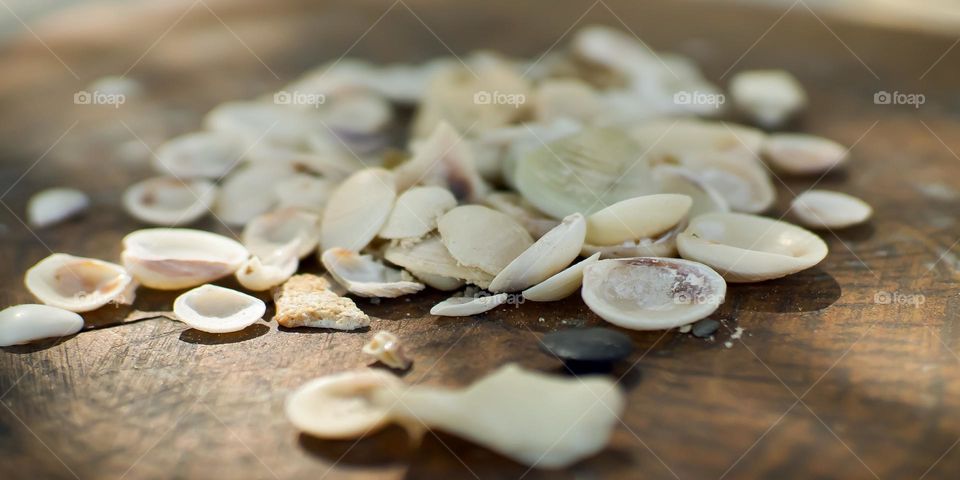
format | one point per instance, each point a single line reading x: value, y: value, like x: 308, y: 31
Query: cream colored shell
x: 364, y: 276
x: 636, y: 218
x: 358, y: 209
x: 547, y: 256
x: 826, y: 209
x: 175, y: 258
x: 78, y: 284
x: 214, y: 309
x: 561, y: 285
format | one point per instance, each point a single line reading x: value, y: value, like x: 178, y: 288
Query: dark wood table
x: 828, y: 381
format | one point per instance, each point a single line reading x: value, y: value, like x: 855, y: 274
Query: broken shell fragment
x: 169, y: 201
x: 214, y: 309
x: 273, y: 231
x: 547, y: 256
x: 306, y: 301
x: 769, y: 97
x: 443, y: 159
x: 263, y: 274
x: 199, y: 154
x: 635, y: 218
x: 385, y: 347
x: 416, y: 212
x: 750, y: 248
x: 561, y: 285
x: 802, y: 154
x: 54, y: 205
x: 342, y: 405
x: 467, y: 306
x: 77, y: 284
x: 826, y: 209
x: 364, y: 276
x: 175, y: 258
x: 429, y: 257
x: 21, y: 324
x: 483, y: 238
x: 357, y: 209
x: 647, y: 293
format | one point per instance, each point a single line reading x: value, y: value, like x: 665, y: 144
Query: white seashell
x: 430, y: 257
x: 416, y: 212
x: 342, y: 405
x: 683, y: 181
x: 364, y: 276
x: 263, y: 274
x: 169, y: 201
x: 386, y: 348
x: 54, y: 205
x: 743, y: 183
x: 647, y: 293
x: 21, y: 324
x: 467, y: 306
x: 214, y: 309
x: 330, y: 161
x: 357, y: 115
x: 482, y: 238
x: 826, y: 209
x: 672, y: 141
x: 497, y: 151
x: 749, y: 248
x: 176, y: 258
x: 536, y: 223
x: 358, y: 209
x: 561, y: 285
x: 249, y: 191
x: 802, y: 154
x: 769, y: 97
x: 635, y: 218
x: 304, y: 191
x: 664, y: 245
x: 256, y: 122
x: 307, y: 301
x: 272, y: 231
x: 566, y: 98
x: 546, y: 257
x: 439, y: 282
x: 443, y: 159
x: 199, y: 154
x: 77, y: 284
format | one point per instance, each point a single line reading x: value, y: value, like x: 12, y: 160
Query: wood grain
x: 826, y: 382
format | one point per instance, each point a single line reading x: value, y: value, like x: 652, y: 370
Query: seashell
x: 342, y: 405
x: 566, y: 98
x: 176, y: 258
x: 439, y: 282
x: 664, y: 245
x: 482, y: 238
x: 429, y: 258
x: 536, y: 223
x: 635, y: 218
x: 749, y: 248
x: 584, y: 172
x: 78, y: 284
x: 443, y: 159
x: 307, y: 301
x: 826, y: 209
x: 364, y: 276
x: 169, y: 201
x: 249, y: 191
x: 683, y: 181
x: 263, y: 274
x: 304, y: 191
x: 54, y: 205
x: 769, y: 97
x: 358, y: 209
x: 672, y: 141
x: 742, y: 182
x: 385, y: 347
x: 561, y: 285
x: 416, y: 212
x: 321, y: 157
x: 199, y: 154
x: 22, y: 324
x: 272, y: 231
x: 647, y: 293
x: 214, y: 309
x: 497, y: 151
x: 256, y: 122
x: 802, y: 154
x: 359, y: 120
x: 467, y: 306
x: 546, y: 257
x: 613, y: 49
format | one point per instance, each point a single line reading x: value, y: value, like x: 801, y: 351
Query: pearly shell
x: 214, y: 309
x: 78, y: 284
x: 176, y: 258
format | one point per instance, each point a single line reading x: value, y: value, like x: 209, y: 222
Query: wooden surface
x: 826, y: 381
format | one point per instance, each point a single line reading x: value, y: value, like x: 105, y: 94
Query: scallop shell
x: 801, y: 154
x: 214, y: 309
x: 54, y: 205
x: 263, y: 274
x: 546, y: 257
x: 443, y: 159
x: 169, y: 201
x: 561, y: 285
x: 482, y: 238
x: 21, y: 324
x: 416, y: 212
x: 826, y: 209
x: 271, y: 231
x: 749, y: 248
x: 358, y: 209
x: 78, y: 284
x: 429, y: 257
x: 386, y: 348
x: 176, y: 258
x: 249, y: 191
x: 769, y: 97
x: 648, y: 293
x: 199, y: 154
x: 342, y: 405
x: 364, y: 276
x: 636, y: 218
x: 467, y: 306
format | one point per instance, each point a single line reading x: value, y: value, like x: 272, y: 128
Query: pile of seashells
x: 511, y: 171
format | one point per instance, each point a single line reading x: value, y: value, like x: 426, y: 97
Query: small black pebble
x: 587, y: 345
x: 706, y: 327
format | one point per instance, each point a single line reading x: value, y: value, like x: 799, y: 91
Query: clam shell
x: 482, y: 238
x: 743, y: 182
x: 467, y: 306
x: 672, y: 141
x: 263, y: 274
x: 802, y: 154
x: 439, y: 282
x: 364, y: 276
x: 683, y: 181
x: 664, y: 245
x: 214, y: 309
x: 199, y: 154
x: 249, y: 191
x: 54, y: 205
x: 430, y: 257
x: 271, y: 231
x: 358, y: 115
x: 769, y: 97
x: 443, y: 159
x: 78, y: 284
x: 169, y: 201
x: 358, y: 209
x: 566, y: 98
x: 826, y: 209
x: 536, y: 223
x: 648, y: 293
x: 547, y: 256
x: 636, y: 218
x: 749, y: 248
x: 342, y: 405
x: 416, y: 212
x: 255, y: 122
x: 175, y: 258
x: 386, y: 348
x: 304, y: 191
x: 561, y: 285
x: 21, y: 324
x: 321, y: 157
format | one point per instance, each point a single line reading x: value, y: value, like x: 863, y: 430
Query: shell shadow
x: 388, y: 446
x: 807, y: 291
x: 36, y: 346
x: 192, y: 335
